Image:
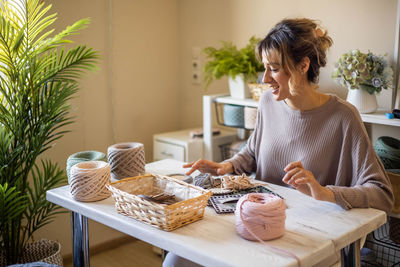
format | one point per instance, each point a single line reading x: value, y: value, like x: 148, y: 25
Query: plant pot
x: 43, y: 251
x: 238, y: 87
x: 362, y: 100
x: 257, y: 89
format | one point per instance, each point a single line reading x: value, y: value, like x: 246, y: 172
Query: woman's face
x: 276, y: 77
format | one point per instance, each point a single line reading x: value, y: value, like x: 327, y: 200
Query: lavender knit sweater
x: 330, y: 141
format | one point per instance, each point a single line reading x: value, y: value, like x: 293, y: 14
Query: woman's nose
x: 266, y: 77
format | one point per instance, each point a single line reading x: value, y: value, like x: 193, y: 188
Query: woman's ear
x: 304, y: 65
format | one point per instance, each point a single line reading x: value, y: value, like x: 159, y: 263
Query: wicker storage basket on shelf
x: 192, y: 200
x: 395, y: 180
x: 256, y: 90
x: 394, y: 223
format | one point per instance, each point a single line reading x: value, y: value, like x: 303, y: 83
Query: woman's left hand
x: 304, y: 181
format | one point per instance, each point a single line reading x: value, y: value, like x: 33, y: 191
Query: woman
x: 311, y: 141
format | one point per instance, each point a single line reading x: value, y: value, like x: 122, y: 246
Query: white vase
x: 362, y: 100
x: 238, y: 87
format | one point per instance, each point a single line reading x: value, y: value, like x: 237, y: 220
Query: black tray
x: 226, y: 203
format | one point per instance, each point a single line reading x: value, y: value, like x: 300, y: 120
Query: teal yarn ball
x: 84, y: 156
x: 234, y: 115
x: 388, y: 150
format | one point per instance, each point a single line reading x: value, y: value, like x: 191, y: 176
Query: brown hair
x: 292, y: 40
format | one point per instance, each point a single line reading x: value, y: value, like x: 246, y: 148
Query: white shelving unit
x: 210, y: 100
x: 379, y: 117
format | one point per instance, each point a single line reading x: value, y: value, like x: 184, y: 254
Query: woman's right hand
x: 208, y: 166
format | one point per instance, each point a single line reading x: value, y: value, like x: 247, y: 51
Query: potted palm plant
x: 38, y: 77
x: 240, y: 65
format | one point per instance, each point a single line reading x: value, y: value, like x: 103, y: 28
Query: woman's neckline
x: 308, y: 111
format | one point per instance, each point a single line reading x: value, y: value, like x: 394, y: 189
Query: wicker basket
x: 192, y: 200
x: 395, y: 180
x: 39, y: 253
x: 257, y: 89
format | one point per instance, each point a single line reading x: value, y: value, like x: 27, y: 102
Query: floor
x: 132, y: 254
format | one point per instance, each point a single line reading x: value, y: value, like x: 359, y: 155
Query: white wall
x: 131, y: 97
x: 144, y: 83
x: 363, y: 24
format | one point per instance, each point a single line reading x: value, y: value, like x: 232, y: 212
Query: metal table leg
x: 80, y: 240
x: 351, y: 255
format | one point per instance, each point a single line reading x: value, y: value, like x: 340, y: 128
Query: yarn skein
x: 126, y: 160
x: 261, y: 217
x: 233, y: 115
x: 250, y: 117
x: 83, y: 156
x: 388, y: 150
x: 89, y: 180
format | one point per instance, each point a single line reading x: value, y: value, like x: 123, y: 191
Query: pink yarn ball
x: 260, y: 216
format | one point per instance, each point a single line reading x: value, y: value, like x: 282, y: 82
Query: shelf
x: 248, y: 102
x: 375, y: 118
x: 380, y: 118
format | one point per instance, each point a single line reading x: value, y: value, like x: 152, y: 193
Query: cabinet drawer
x: 164, y: 150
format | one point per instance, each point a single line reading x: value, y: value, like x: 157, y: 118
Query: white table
x: 316, y: 231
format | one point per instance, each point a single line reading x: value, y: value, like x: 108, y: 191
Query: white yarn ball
x: 89, y: 180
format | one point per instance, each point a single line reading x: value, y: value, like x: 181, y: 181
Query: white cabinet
x: 163, y: 150
x: 180, y: 146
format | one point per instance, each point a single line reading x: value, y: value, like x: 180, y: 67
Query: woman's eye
x: 269, y: 68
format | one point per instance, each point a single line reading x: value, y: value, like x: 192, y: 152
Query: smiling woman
x: 297, y: 126
x: 292, y: 68
x: 313, y: 142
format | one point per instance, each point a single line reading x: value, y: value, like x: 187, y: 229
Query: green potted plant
x: 365, y: 75
x: 38, y: 77
x: 240, y: 65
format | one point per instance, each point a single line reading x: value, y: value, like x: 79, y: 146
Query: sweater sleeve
x: 369, y: 185
x: 244, y: 161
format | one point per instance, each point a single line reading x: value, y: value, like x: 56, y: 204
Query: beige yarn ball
x: 89, y: 180
x: 250, y: 117
x: 126, y: 160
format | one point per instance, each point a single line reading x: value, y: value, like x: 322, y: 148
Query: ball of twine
x: 233, y: 115
x: 83, y: 156
x: 388, y: 150
x: 250, y: 117
x: 260, y: 216
x: 89, y: 180
x: 126, y: 160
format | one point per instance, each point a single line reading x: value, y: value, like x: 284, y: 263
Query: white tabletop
x: 315, y: 230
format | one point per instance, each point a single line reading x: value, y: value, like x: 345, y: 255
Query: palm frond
x: 37, y: 80
x: 60, y: 38
x: 12, y: 205
x: 41, y: 212
x: 69, y: 65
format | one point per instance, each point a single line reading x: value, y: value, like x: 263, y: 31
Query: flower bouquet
x: 369, y: 72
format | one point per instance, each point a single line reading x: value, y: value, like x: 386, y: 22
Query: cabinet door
x: 164, y: 150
